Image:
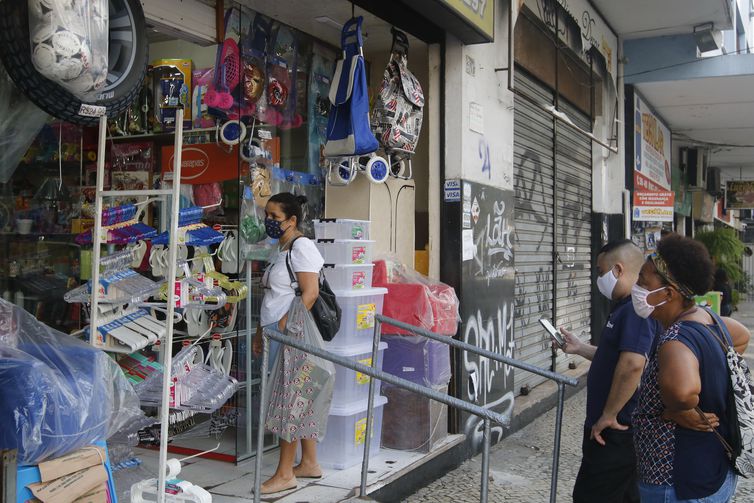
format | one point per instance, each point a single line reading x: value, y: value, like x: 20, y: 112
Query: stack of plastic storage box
x: 431, y: 306
x: 347, y: 251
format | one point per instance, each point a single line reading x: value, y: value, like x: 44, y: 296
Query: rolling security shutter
x: 573, y: 227
x: 537, y: 194
x: 534, y: 218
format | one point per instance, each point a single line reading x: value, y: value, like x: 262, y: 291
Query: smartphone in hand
x: 554, y: 332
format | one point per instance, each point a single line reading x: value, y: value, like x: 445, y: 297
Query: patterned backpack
x: 398, y: 108
x: 740, y: 405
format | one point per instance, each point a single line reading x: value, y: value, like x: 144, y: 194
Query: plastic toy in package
x: 69, y: 43
x: 59, y: 393
x: 415, y: 299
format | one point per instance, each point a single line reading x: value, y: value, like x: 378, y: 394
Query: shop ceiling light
x: 706, y: 38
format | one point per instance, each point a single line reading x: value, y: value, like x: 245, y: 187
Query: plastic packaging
x: 20, y: 123
x: 359, y: 308
x: 349, y: 276
x: 418, y: 359
x: 352, y: 386
x: 343, y: 446
x: 59, y: 393
x: 346, y: 251
x: 69, y: 43
x: 428, y: 420
x: 341, y: 228
x: 196, y: 386
x: 301, y: 386
x: 415, y: 299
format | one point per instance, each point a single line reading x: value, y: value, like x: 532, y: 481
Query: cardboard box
x: 98, y: 492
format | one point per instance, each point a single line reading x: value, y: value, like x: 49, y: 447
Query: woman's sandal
x: 278, y: 488
x: 299, y: 473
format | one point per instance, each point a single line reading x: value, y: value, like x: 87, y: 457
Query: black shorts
x: 607, y: 474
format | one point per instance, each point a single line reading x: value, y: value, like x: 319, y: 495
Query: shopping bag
x: 301, y: 384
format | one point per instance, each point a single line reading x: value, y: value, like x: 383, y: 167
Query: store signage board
x: 202, y: 163
x: 478, y: 13
x: 654, y: 206
x: 651, y: 146
x: 739, y: 194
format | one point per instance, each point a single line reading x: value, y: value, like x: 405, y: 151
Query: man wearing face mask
x: 608, y: 466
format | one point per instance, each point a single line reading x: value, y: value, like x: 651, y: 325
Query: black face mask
x: 273, y: 228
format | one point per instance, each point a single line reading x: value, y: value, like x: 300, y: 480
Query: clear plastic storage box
x: 352, y: 386
x: 360, y: 308
x: 341, y: 228
x: 349, y: 276
x: 346, y: 251
x: 343, y: 445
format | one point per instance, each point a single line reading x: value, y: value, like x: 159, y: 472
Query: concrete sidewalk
x: 520, y: 464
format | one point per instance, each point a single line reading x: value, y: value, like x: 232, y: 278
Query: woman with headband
x: 681, y: 420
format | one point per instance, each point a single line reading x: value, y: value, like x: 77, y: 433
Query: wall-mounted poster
x: 739, y: 194
x: 651, y: 149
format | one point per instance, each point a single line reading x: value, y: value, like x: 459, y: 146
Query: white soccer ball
x: 44, y: 58
x: 66, y: 43
x: 68, y: 68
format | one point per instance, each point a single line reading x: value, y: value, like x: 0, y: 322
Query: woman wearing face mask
x: 687, y: 373
x: 283, y: 214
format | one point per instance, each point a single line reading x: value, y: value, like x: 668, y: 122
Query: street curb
x: 540, y: 400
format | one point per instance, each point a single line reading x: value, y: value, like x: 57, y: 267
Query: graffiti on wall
x: 487, y: 303
x: 534, y: 205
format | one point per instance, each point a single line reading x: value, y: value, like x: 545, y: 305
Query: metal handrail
x: 487, y: 414
x: 554, y: 376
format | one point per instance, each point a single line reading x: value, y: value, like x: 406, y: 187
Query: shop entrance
x: 47, y: 202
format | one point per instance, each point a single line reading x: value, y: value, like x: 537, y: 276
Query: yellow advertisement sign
x: 479, y: 13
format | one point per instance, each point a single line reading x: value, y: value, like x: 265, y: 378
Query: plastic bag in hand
x: 69, y: 43
x: 59, y: 393
x: 301, y: 384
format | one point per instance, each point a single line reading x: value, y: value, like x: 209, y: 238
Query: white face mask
x: 639, y: 299
x: 606, y: 284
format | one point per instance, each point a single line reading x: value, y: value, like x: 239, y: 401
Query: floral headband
x: 664, y: 271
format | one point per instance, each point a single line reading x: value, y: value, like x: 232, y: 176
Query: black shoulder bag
x: 325, y: 311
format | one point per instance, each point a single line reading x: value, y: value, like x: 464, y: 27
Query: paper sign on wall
x: 654, y: 206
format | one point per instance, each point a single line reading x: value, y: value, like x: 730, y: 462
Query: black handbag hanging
x: 325, y: 311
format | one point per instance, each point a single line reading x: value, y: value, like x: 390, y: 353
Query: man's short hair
x: 615, y: 245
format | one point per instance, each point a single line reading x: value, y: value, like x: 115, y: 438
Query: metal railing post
x: 483, y: 493
x: 262, y: 416
x: 556, y: 448
x: 370, y: 412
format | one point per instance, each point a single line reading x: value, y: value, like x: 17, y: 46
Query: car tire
x: 127, y: 63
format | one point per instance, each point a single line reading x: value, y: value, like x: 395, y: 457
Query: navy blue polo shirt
x: 624, y: 331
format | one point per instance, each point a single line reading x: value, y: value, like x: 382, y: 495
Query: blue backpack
x: 348, y: 129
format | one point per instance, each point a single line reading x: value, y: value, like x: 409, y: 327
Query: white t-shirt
x: 279, y: 293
